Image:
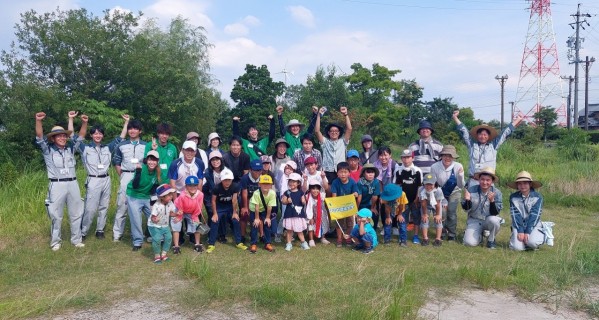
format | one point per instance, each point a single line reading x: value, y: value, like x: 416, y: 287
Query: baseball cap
x: 226, y: 174
x: 192, y: 181
x: 189, y: 145
x: 256, y: 165
x: 353, y: 153
x: 265, y: 159
x: 406, y: 153
x: 215, y: 154
x: 153, y: 153
x: 192, y: 135
x: 310, y: 160
x: 266, y: 179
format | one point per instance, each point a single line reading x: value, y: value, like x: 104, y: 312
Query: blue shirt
x: 341, y: 189
x: 368, y: 190
x: 370, y: 230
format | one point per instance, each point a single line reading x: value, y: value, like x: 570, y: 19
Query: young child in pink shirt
x: 189, y: 205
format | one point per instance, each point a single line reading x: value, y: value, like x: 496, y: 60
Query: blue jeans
x: 403, y: 227
x: 223, y: 217
x: 366, y: 237
x: 160, y: 235
x: 136, y: 207
x: 267, y: 230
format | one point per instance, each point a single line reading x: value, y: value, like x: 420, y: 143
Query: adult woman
x: 482, y: 202
x: 450, y: 177
x: 526, y: 206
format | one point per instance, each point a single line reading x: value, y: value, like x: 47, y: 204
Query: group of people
x: 282, y: 195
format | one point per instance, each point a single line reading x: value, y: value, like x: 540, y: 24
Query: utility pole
x: 587, y: 67
x: 512, y: 106
x: 502, y: 80
x: 574, y: 44
x: 569, y: 111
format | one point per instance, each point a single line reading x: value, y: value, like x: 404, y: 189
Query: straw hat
x: 488, y: 171
x: 449, y: 150
x: 58, y: 130
x: 524, y: 176
x: 492, y: 131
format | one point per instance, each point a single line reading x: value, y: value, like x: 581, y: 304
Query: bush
x: 574, y: 145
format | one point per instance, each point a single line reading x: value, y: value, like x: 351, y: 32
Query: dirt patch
x: 478, y: 304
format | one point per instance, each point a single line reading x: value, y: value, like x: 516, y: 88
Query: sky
x: 452, y: 48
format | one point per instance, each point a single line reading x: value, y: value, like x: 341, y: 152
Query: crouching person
x: 363, y: 233
x: 482, y: 202
x: 526, y: 206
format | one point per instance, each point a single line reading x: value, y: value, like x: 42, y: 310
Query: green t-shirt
x: 270, y: 199
x: 167, y: 155
x: 146, y: 183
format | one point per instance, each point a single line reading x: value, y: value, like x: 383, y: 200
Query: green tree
x: 373, y: 89
x: 545, y: 118
x: 410, y: 96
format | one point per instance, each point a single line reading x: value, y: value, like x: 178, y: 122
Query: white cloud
x: 302, y: 15
x: 236, y: 29
x: 251, y: 21
x: 166, y: 10
x: 239, y: 51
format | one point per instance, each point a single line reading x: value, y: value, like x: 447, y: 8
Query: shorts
x: 192, y: 226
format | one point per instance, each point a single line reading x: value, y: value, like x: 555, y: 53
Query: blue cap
x: 192, y: 181
x: 256, y: 165
x: 353, y: 153
x: 365, y: 213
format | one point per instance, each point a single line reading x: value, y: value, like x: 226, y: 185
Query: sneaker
x: 176, y: 250
x: 80, y: 245
x: 450, y: 238
x: 437, y: 243
x: 358, y: 247
x: 424, y: 242
x: 136, y: 248
x: 403, y: 243
x: 486, y: 233
x: 210, y: 249
x: 288, y: 246
x: 222, y: 239
x: 116, y: 239
x: 158, y: 260
x: 368, y: 250
x: 311, y: 243
x: 387, y: 241
x: 165, y: 257
x: 305, y: 245
x: 56, y: 247
x: 241, y: 246
x: 253, y: 248
x: 149, y: 239
x: 99, y: 234
x: 198, y: 248
x: 415, y: 239
x: 278, y: 238
x: 491, y: 245
x: 339, y: 244
x: 269, y: 247
x: 324, y: 241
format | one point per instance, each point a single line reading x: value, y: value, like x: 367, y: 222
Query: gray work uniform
x: 480, y: 217
x: 96, y: 160
x: 62, y: 189
x: 126, y: 155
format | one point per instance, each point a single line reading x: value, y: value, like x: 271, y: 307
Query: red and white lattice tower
x: 540, y: 84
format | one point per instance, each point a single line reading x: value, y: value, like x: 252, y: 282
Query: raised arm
x: 236, y: 126
x: 281, y: 124
x: 455, y: 115
x: 317, y: 132
x: 271, y: 131
x: 312, y: 120
x: 39, y: 128
x: 124, y: 131
x: 348, y: 128
x: 83, y: 129
x: 70, y: 127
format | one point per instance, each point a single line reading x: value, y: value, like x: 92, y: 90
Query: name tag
x: 298, y: 209
x: 250, y: 145
x: 135, y: 161
x: 64, y: 171
x: 100, y: 166
x: 163, y: 166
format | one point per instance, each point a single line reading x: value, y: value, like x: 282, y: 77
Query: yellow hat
x: 266, y: 179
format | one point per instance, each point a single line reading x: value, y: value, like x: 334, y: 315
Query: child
x: 158, y: 222
x: 395, y: 201
x: 283, y: 174
x: 409, y: 177
x: 355, y: 169
x: 311, y: 173
x: 431, y: 200
x: 363, y: 233
x: 369, y: 188
x: 249, y: 184
x: 342, y: 186
x: 316, y: 212
x: 262, y: 203
x: 224, y: 206
x: 189, y: 203
x: 295, y: 217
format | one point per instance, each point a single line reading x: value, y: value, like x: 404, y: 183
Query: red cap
x: 310, y: 160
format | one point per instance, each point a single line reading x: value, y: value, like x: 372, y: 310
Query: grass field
x: 322, y: 283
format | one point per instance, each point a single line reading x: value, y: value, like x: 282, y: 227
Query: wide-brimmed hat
x: 524, y: 176
x: 488, y: 171
x: 365, y: 213
x: 192, y: 135
x: 369, y: 166
x: 58, y: 130
x: 449, y: 150
x: 281, y: 140
x: 265, y: 179
x: 429, y: 178
x: 492, y: 131
x: 391, y: 192
x: 164, y: 189
x: 330, y: 125
x: 212, y: 136
x: 425, y: 125
x: 294, y: 122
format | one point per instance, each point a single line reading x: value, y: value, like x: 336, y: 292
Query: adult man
x: 127, y: 156
x: 187, y: 166
x: 253, y: 146
x: 292, y: 132
x: 483, y: 203
x: 96, y: 159
x: 236, y: 160
x: 167, y: 151
x: 59, y: 156
x: 426, y: 149
x: 334, y: 145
